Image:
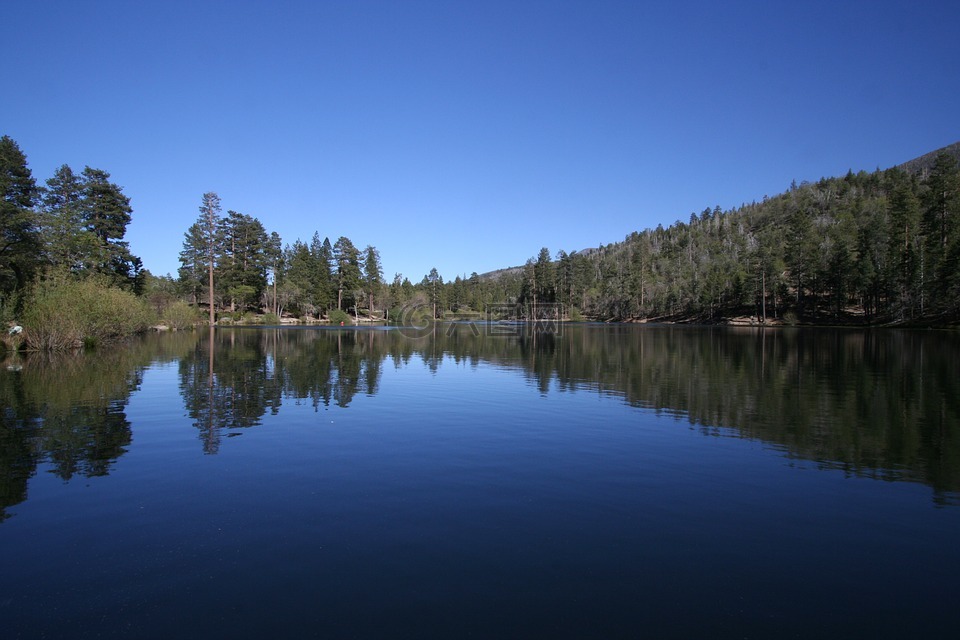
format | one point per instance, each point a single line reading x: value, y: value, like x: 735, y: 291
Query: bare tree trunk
x: 210, y: 226
x: 763, y: 295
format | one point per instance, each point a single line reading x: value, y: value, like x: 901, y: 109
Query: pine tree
x: 545, y: 276
x: 372, y: 274
x: 941, y: 221
x: 67, y: 243
x: 434, y: 285
x: 905, y: 243
x: 347, y: 274
x: 200, y: 251
x: 19, y: 237
x: 192, y: 273
x: 323, y: 289
x: 299, y: 279
x: 243, y: 261
x: 106, y: 212
x: 274, y: 255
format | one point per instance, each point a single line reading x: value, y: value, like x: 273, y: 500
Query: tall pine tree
x: 19, y: 237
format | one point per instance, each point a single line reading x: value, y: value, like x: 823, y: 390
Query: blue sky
x: 468, y: 135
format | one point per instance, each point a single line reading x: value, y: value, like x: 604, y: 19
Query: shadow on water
x: 882, y: 404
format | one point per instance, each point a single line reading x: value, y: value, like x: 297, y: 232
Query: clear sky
x: 466, y: 135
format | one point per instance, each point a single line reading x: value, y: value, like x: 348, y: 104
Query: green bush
x: 180, y: 315
x: 270, y: 319
x: 8, y: 316
x: 337, y: 317
x: 61, y: 313
x: 9, y: 307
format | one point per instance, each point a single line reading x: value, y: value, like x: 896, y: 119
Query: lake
x: 488, y: 481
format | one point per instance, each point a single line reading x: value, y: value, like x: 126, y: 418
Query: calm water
x: 612, y: 481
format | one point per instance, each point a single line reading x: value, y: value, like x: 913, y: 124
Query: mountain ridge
x: 920, y: 166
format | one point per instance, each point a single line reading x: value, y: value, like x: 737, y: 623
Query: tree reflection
x: 226, y: 384
x: 851, y: 400
x: 233, y: 377
x: 64, y: 410
x: 882, y: 404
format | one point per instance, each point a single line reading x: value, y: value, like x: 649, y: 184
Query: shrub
x: 180, y: 315
x: 270, y: 319
x: 9, y: 308
x: 63, y: 314
x: 339, y: 317
x: 9, y: 305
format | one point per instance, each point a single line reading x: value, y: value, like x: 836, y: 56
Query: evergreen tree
x: 905, y: 243
x: 299, y: 279
x: 800, y: 247
x: 372, y: 274
x: 193, y: 262
x: 324, y: 265
x: 198, y: 255
x: 106, y: 212
x: 458, y: 294
x: 347, y: 274
x: 395, y: 288
x: 433, y: 284
x: 545, y: 276
x: 68, y: 244
x: 274, y: 256
x: 244, y: 259
x: 19, y: 237
x: 942, y: 230
x: 639, y: 273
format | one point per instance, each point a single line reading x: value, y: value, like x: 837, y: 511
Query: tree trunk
x: 763, y: 295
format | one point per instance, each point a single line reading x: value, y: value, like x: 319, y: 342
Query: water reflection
x: 64, y: 410
x: 246, y: 373
x: 884, y: 404
x: 877, y: 403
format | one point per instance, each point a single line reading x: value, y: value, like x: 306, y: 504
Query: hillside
x: 866, y: 248
x: 919, y: 166
x: 924, y: 164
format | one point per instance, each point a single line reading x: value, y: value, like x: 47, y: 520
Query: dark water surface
x: 612, y: 481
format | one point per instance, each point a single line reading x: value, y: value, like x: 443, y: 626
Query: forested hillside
x: 867, y: 247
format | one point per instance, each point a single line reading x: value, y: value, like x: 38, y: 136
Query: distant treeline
x: 873, y: 247
x: 252, y: 270
x: 866, y: 248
